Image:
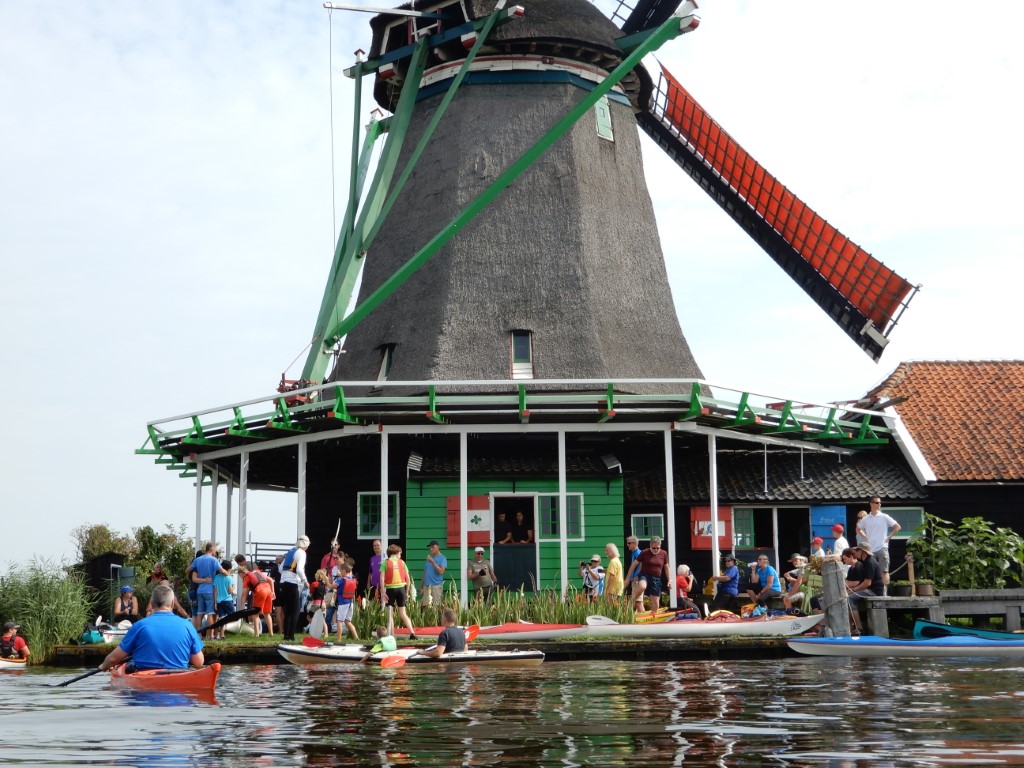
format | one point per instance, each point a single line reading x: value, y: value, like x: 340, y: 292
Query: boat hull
x: 778, y: 626
x: 929, y: 629
x: 353, y: 654
x: 10, y: 664
x: 203, y: 678
x: 877, y: 647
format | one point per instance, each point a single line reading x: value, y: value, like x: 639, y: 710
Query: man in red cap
x: 816, y: 547
x: 840, y: 541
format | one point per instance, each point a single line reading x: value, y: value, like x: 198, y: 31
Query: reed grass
x: 49, y: 600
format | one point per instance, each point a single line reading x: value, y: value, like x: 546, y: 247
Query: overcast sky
x: 166, y: 215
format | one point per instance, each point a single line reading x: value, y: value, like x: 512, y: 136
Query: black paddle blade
x: 90, y: 673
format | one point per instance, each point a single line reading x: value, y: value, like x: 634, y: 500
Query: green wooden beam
x: 524, y: 412
x: 744, y: 414
x: 432, y: 413
x: 283, y: 418
x: 608, y: 412
x: 667, y: 31
x: 340, y: 409
x: 697, y: 408
x: 788, y: 423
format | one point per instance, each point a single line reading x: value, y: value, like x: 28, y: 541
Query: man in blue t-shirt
x: 161, y: 640
x: 432, y: 592
x: 203, y: 569
x: 728, y: 586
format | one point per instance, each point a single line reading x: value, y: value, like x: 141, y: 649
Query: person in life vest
x: 347, y: 586
x: 394, y: 578
x: 12, y: 646
x: 260, y: 590
x: 385, y: 642
x: 293, y: 576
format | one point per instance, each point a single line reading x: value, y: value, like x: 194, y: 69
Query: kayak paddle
x: 392, y: 662
x: 313, y: 642
x: 471, y: 632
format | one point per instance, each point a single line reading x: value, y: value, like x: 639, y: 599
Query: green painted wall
x: 426, y: 518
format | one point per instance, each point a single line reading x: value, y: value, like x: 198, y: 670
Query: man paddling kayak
x: 161, y: 640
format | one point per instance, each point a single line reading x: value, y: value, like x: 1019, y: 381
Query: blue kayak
x: 870, y: 646
x: 928, y: 629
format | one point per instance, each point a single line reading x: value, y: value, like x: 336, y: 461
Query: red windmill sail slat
x: 874, y: 290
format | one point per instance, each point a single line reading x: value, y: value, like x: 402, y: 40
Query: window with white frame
x: 521, y: 348
x: 368, y: 504
x: 547, y: 525
x: 645, y: 526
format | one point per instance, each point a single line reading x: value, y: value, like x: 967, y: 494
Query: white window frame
x: 905, y: 532
x: 645, y: 536
x: 520, y: 370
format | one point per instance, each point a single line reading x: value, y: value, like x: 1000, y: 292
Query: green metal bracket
x: 608, y: 412
x: 524, y: 412
x: 340, y: 409
x: 198, y: 436
x: 432, y: 412
x: 866, y: 435
x: 238, y: 428
x: 787, y: 421
x: 742, y: 419
x: 697, y: 408
x: 283, y: 419
x: 831, y: 429
x: 667, y: 31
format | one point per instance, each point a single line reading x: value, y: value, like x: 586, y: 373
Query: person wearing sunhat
x: 432, y: 592
x: 482, y: 575
x: 12, y: 646
x: 728, y: 585
x: 126, y: 605
x: 593, y: 578
x: 794, y: 582
x: 869, y: 580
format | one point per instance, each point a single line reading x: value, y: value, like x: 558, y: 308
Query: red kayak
x: 521, y: 630
x: 196, y: 678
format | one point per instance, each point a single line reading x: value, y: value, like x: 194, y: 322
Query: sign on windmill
x: 478, y: 521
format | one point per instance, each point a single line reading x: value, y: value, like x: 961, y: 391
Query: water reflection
x: 787, y: 712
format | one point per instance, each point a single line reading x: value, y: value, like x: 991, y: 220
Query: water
x: 786, y: 712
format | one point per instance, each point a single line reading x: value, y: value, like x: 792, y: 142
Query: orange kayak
x: 202, y: 678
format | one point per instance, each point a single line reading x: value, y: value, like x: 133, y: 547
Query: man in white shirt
x: 879, y: 527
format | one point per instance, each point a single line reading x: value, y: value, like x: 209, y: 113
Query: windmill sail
x: 863, y: 296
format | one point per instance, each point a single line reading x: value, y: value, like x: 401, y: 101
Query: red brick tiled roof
x: 967, y: 417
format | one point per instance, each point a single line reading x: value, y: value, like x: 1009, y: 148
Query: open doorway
x: 515, y: 540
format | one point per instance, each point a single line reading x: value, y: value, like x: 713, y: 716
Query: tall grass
x: 50, y: 601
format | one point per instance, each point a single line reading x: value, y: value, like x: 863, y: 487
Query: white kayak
x: 12, y: 663
x: 776, y: 626
x: 353, y: 653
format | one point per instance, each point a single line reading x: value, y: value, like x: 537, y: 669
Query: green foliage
x: 973, y: 555
x: 95, y: 540
x: 50, y: 602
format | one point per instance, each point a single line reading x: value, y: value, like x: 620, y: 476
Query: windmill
x: 508, y: 232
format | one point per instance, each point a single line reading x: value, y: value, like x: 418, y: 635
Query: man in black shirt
x: 870, y: 582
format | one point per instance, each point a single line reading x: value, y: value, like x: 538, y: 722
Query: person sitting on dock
x: 12, y: 646
x: 866, y: 581
x: 765, y: 579
x: 452, y: 639
x: 728, y: 586
x: 794, y: 582
x: 159, y: 641
x: 126, y: 606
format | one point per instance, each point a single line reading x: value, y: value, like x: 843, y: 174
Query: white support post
x: 384, y: 532
x: 464, y: 516
x: 199, y: 505
x: 300, y: 513
x: 228, y: 496
x: 563, y: 516
x: 713, y: 489
x: 670, y: 519
x: 243, y: 499
x: 214, y: 488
